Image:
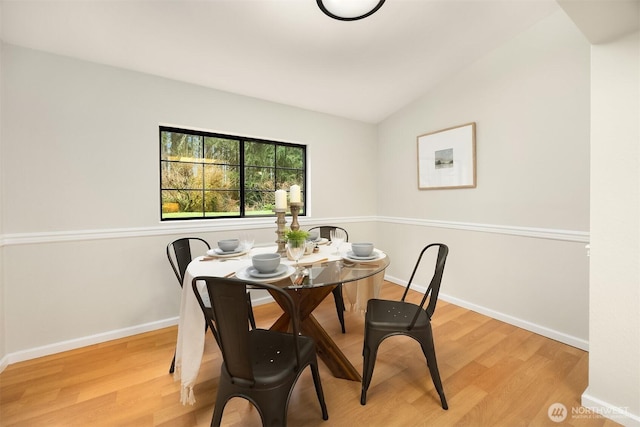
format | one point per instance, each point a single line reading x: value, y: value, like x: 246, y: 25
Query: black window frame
x: 241, y: 166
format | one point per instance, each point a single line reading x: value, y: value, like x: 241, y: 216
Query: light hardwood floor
x: 494, y: 374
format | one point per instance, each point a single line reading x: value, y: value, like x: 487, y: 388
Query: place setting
x: 363, y: 252
x: 265, y: 268
x: 229, y: 249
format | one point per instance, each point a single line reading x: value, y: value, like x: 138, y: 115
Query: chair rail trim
x: 12, y: 239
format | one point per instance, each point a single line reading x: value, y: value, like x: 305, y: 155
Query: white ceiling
x: 285, y: 51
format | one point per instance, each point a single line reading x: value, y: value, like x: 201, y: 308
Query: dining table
x: 308, y: 281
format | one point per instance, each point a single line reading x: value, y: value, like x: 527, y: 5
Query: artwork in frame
x: 447, y: 158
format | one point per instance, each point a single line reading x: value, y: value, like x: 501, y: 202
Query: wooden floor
x: 494, y: 374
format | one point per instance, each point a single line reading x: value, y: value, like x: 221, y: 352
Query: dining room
x: 82, y: 237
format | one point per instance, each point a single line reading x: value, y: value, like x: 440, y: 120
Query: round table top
x: 323, y: 268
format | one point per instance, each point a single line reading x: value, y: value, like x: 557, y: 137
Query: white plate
x: 217, y: 252
x: 253, y: 272
x: 376, y: 255
x: 243, y: 274
x: 352, y: 255
x: 322, y: 241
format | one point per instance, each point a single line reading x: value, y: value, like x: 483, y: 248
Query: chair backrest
x: 325, y: 231
x: 179, y: 254
x: 229, y: 302
x: 434, y: 286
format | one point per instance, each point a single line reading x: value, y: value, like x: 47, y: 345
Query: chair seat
x: 394, y: 315
x: 272, y: 354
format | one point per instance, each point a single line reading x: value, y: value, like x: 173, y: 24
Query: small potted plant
x: 296, y: 243
x: 296, y: 235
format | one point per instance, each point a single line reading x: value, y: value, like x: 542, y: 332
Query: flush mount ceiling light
x: 349, y: 10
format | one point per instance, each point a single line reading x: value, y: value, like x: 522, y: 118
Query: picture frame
x: 447, y: 158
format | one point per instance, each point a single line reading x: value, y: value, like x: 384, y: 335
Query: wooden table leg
x: 306, y: 300
x: 329, y: 352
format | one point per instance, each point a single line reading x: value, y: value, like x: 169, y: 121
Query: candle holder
x: 295, y: 210
x: 281, y: 222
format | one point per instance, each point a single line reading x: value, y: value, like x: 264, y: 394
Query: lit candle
x: 281, y: 199
x: 294, y: 195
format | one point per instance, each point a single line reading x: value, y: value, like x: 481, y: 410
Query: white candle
x: 294, y: 195
x: 281, y: 199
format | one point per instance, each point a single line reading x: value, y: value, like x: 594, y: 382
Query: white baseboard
x: 59, y: 347
x: 615, y: 413
x: 524, y: 324
x: 262, y: 300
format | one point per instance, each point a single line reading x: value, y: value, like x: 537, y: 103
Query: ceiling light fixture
x: 349, y: 10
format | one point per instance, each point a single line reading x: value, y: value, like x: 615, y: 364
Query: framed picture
x: 447, y: 158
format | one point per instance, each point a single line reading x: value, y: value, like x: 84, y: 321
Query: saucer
x: 376, y: 255
x: 255, y: 273
x: 351, y: 255
x: 221, y: 252
x: 250, y: 273
x: 217, y: 252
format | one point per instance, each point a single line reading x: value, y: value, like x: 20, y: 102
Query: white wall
x: 76, y: 123
x: 517, y: 241
x: 84, y: 247
x: 614, y: 356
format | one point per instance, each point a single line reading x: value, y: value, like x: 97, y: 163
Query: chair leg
x: 221, y: 400
x: 173, y: 364
x: 319, y: 392
x: 430, y: 354
x: 369, y: 355
x: 340, y: 308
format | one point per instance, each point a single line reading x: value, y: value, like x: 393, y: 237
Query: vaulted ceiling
x: 285, y: 51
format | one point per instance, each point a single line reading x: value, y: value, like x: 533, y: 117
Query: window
x: 208, y: 175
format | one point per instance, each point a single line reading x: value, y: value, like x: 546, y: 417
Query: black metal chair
x: 258, y: 365
x: 325, y: 232
x: 179, y: 255
x: 386, y: 318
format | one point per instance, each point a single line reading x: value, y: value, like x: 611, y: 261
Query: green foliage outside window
x: 204, y: 175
